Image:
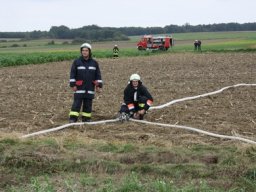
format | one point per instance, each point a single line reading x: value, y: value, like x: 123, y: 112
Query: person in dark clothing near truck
x: 137, y: 99
x: 85, y: 77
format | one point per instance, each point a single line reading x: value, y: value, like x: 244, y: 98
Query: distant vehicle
x: 150, y: 42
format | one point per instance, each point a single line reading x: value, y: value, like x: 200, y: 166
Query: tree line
x: 96, y: 33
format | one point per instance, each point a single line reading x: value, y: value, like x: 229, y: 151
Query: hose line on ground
x: 159, y: 124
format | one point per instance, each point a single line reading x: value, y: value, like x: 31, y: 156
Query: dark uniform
x: 136, y: 99
x: 115, y: 51
x: 197, y: 45
x: 85, y: 75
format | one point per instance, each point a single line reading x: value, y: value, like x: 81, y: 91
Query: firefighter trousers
x: 139, y: 105
x: 86, y: 111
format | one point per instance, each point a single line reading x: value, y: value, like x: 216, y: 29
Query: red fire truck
x: 150, y: 42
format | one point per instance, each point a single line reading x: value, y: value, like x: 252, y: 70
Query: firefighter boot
x: 86, y: 119
x: 72, y: 119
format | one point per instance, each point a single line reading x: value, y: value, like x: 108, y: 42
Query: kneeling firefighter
x: 137, y: 99
x: 85, y: 76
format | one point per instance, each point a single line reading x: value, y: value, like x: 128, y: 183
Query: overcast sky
x: 29, y: 15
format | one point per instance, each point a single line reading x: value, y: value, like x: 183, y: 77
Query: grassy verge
x: 39, y: 51
x: 66, y: 165
x: 15, y: 59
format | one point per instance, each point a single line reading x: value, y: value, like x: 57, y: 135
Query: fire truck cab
x: 149, y: 42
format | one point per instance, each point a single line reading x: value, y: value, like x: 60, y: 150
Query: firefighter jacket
x: 139, y: 96
x: 115, y: 51
x: 85, y: 75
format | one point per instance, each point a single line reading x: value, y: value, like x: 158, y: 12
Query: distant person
x: 115, y: 51
x: 137, y: 99
x: 197, y: 45
x: 85, y: 76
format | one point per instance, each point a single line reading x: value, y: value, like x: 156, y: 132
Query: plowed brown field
x: 38, y: 97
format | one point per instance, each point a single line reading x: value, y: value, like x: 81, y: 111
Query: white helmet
x: 134, y: 77
x: 86, y: 45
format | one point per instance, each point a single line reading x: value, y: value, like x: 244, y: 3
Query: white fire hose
x: 159, y: 124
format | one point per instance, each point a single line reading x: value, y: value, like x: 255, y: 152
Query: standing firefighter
x: 137, y: 99
x: 197, y: 45
x: 85, y: 76
x: 115, y: 51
